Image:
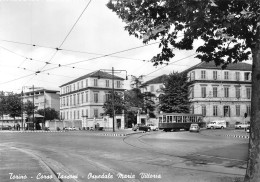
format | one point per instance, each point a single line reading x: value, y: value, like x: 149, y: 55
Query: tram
x: 177, y: 121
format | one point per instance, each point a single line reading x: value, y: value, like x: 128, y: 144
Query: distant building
x: 43, y: 98
x: 85, y: 96
x: 220, y: 94
x: 154, y: 86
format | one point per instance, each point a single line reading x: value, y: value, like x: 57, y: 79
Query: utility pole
x: 22, y: 108
x: 33, y: 107
x: 113, y: 92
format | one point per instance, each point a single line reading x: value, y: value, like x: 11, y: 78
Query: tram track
x: 184, y: 157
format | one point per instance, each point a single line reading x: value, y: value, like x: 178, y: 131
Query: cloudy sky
x: 98, y: 32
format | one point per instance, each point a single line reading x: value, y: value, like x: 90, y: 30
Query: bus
x: 177, y: 121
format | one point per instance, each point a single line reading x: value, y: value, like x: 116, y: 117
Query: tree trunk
x: 253, y: 165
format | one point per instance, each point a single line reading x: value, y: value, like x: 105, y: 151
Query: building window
x: 226, y: 75
x: 191, y: 92
x: 70, y: 100
x: 107, y: 97
x: 74, y: 99
x: 151, y: 88
x: 82, y: 84
x: 86, y: 82
x: 193, y: 75
x: 86, y: 113
x: 82, y: 113
x: 237, y: 76
x: 237, y: 110
x: 247, y: 76
x: 226, y: 111
x: 191, y: 109
x: 215, y: 110
x: 95, y: 82
x: 74, y: 87
x: 215, y: 75
x: 95, y: 113
x: 118, y: 84
x: 74, y: 114
x: 78, y: 115
x: 248, y: 110
x: 77, y: 85
x: 203, y: 74
x: 77, y: 98
x: 203, y: 92
x: 67, y: 100
x: 226, y: 92
x: 203, y: 110
x: 107, y: 83
x: 96, y: 97
x: 237, y: 92
x: 248, y: 93
x: 86, y: 93
x: 215, y: 91
x: 82, y: 97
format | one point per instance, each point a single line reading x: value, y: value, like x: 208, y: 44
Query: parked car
x: 5, y: 127
x: 217, y: 124
x: 153, y: 127
x: 248, y: 129
x: 241, y: 125
x: 194, y: 128
x: 141, y: 127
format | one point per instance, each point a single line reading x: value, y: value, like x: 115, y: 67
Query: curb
x: 37, y: 131
x: 117, y: 134
x: 237, y: 136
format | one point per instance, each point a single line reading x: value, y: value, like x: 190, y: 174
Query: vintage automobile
x: 241, y: 125
x: 141, y: 127
x: 194, y: 128
x: 153, y: 127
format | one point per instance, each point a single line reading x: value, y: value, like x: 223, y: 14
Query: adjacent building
x: 85, y: 96
x: 43, y: 98
x: 221, y: 94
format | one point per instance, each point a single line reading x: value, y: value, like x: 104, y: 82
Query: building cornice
x: 219, y: 81
x: 92, y: 89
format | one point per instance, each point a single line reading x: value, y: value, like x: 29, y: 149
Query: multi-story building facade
x: 84, y: 97
x: 43, y: 98
x: 221, y: 93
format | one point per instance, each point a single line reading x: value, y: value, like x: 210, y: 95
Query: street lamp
x: 113, y: 92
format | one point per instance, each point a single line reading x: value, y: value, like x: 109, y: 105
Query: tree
x: 119, y: 104
x: 49, y: 113
x: 13, y: 105
x: 228, y: 29
x: 175, y: 94
x: 29, y: 108
x: 2, y: 104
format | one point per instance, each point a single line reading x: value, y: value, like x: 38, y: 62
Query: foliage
x: 29, y: 108
x: 2, y: 103
x: 175, y: 97
x: 229, y: 31
x: 227, y: 28
x: 13, y: 105
x: 119, y: 104
x: 49, y: 113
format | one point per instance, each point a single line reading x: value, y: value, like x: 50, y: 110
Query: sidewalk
x: 18, y: 165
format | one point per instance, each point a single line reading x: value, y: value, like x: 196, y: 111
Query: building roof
x: 95, y: 74
x: 41, y: 90
x: 159, y: 79
x: 231, y: 66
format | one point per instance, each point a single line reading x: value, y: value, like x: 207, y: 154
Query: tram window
x: 160, y: 119
x: 164, y: 118
x: 179, y: 119
x: 170, y: 119
x: 188, y: 119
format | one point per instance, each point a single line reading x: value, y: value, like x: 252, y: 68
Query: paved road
x: 154, y: 156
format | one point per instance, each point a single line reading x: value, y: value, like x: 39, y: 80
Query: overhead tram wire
x: 69, y: 50
x: 106, y: 55
x: 57, y: 49
x: 171, y: 63
x: 32, y: 59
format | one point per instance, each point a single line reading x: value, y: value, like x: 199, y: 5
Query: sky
x: 84, y: 39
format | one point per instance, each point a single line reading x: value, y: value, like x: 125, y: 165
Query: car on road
x: 217, y: 124
x: 194, y: 128
x: 248, y: 129
x: 141, y: 127
x: 5, y: 127
x: 153, y: 127
x: 239, y: 125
